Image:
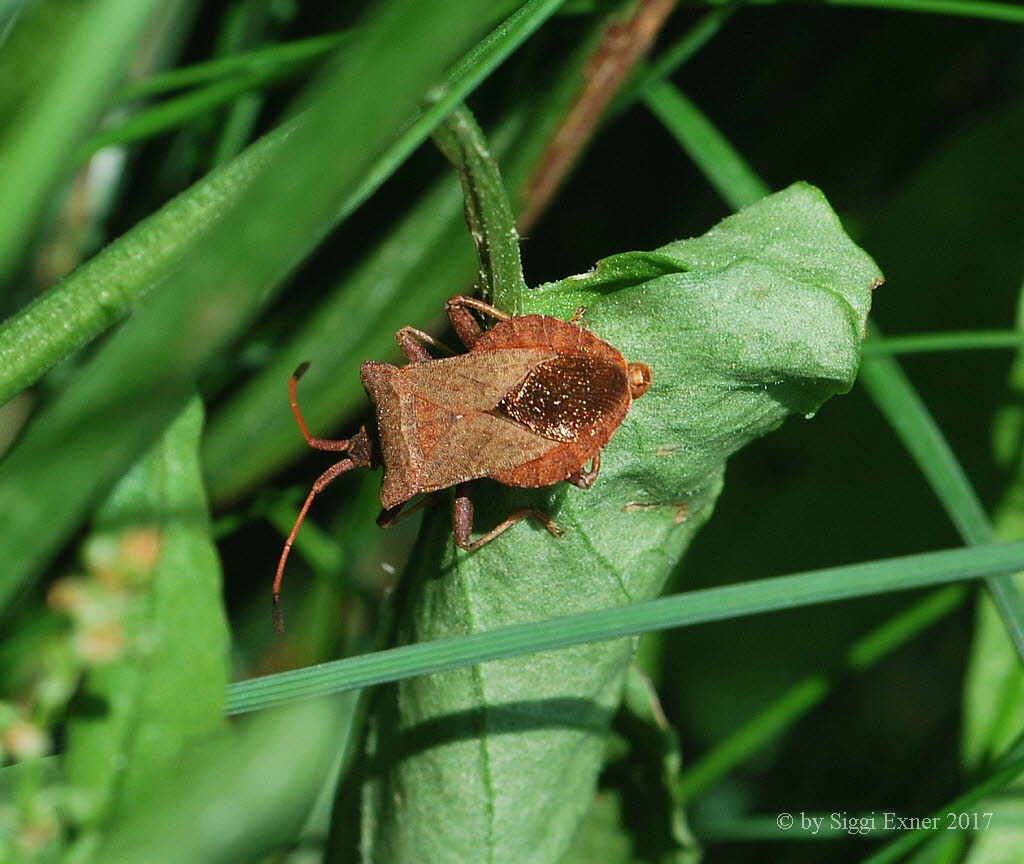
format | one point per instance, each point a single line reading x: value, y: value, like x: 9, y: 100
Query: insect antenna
x: 316, y: 443
x: 361, y: 453
x: 336, y: 470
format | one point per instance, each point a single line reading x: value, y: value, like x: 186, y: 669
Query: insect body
x: 531, y: 403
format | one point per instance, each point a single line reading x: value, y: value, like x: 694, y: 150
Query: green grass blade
x: 101, y: 291
x: 997, y: 781
x: 909, y: 418
x: 471, y: 70
x: 728, y: 172
x: 269, y: 61
x: 680, y: 610
x: 993, y: 709
x: 674, y: 56
x: 55, y: 84
x: 174, y: 112
x: 1008, y: 12
x: 144, y: 373
x: 926, y: 343
x: 797, y: 700
x: 906, y: 413
x: 226, y: 80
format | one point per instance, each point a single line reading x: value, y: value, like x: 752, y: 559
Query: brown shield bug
x: 530, y: 403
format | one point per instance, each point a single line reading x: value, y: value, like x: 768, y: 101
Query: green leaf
x: 640, y: 789
x: 602, y: 835
x: 762, y: 318
x: 53, y: 86
x: 239, y: 798
x: 134, y: 718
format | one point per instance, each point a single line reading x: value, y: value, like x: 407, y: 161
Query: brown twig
x: 621, y: 47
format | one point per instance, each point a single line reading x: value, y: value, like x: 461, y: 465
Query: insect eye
x: 639, y: 379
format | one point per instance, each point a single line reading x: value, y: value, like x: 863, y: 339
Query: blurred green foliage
x: 327, y: 232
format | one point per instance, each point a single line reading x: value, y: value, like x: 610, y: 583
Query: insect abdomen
x: 563, y: 398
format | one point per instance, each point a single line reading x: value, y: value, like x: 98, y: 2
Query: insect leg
x: 321, y: 481
x: 413, y: 344
x: 462, y: 520
x: 394, y: 515
x: 318, y: 443
x: 466, y: 326
x: 584, y: 479
x: 578, y: 314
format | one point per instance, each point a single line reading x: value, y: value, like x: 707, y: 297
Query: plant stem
x: 612, y: 63
x: 488, y: 211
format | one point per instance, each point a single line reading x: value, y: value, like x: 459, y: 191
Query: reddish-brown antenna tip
x: 278, y: 617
